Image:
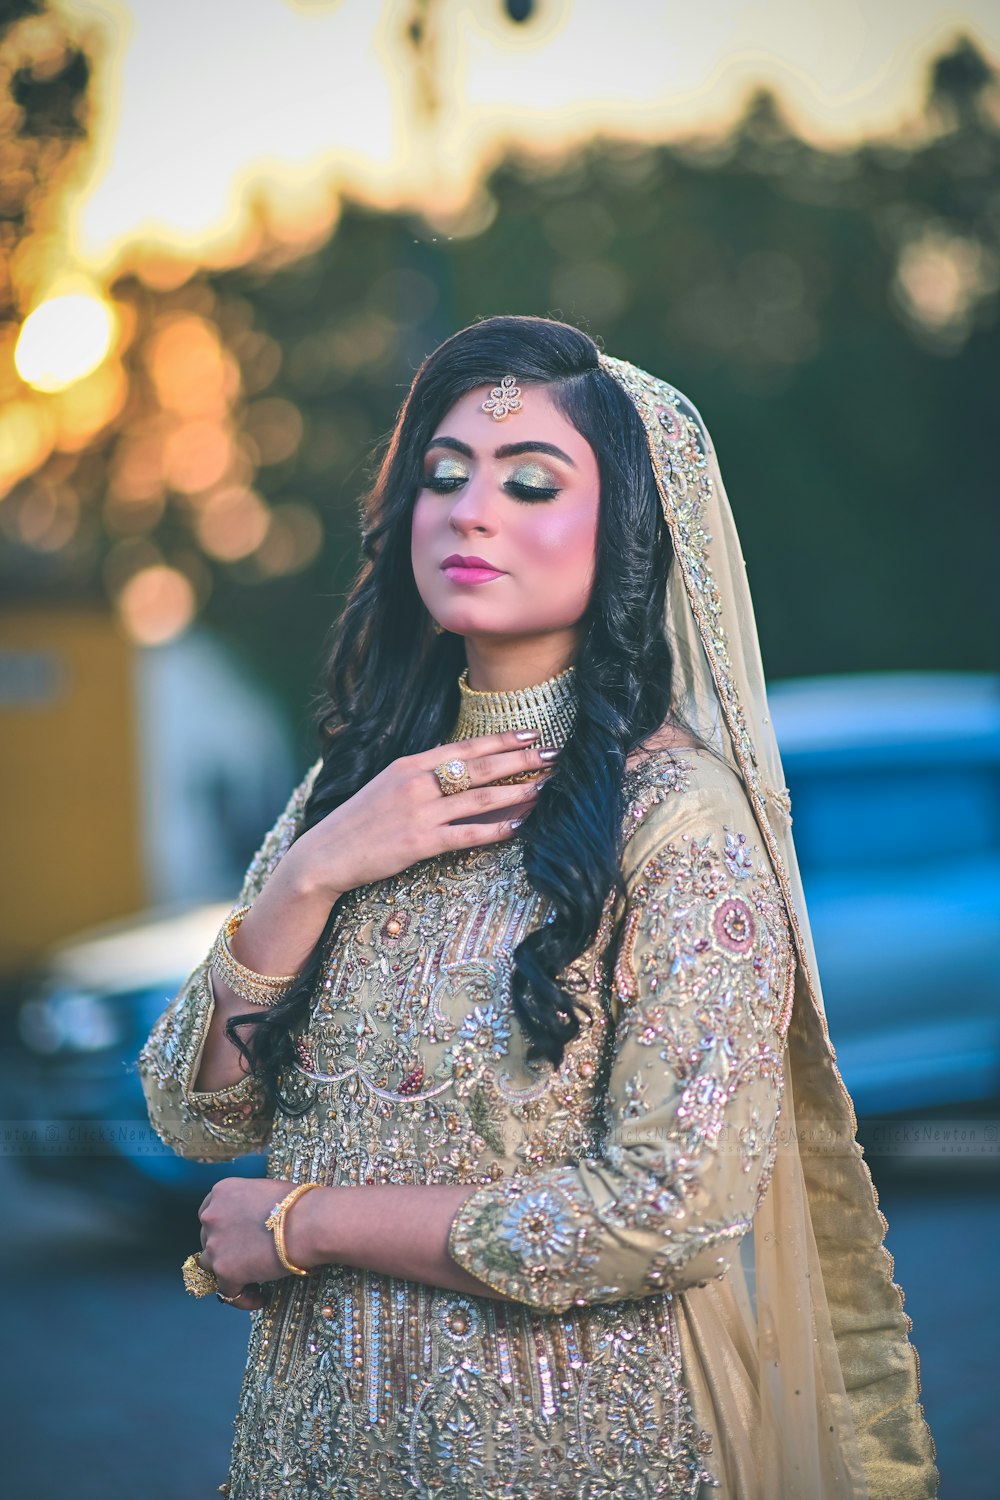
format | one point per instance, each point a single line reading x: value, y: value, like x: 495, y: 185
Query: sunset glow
x: 282, y: 107
x: 63, y: 340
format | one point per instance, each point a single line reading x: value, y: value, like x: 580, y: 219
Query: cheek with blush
x: 562, y: 548
x: 422, y: 553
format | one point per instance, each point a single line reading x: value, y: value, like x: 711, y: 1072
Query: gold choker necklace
x: 550, y: 707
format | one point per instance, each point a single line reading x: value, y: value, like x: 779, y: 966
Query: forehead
x: 539, y: 419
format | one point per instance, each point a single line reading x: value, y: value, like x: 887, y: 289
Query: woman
x: 521, y: 995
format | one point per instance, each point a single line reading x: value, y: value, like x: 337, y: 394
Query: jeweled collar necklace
x: 549, y: 706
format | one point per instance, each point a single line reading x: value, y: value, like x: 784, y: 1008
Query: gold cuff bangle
x: 275, y: 1221
x: 256, y: 989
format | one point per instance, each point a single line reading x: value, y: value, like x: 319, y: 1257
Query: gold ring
x: 198, y: 1279
x: 453, y: 776
x: 223, y: 1298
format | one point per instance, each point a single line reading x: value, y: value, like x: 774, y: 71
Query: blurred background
x: 228, y: 236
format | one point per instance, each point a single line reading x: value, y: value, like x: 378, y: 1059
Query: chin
x: 471, y: 621
x: 495, y: 630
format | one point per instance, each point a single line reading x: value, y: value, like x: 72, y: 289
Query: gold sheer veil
x: 839, y: 1413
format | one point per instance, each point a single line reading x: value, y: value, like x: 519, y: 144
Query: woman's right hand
x: 401, y: 816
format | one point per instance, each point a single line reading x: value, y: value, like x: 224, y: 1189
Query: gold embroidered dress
x: 612, y: 1193
x: 699, y: 1115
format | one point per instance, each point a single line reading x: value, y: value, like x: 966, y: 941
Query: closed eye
x: 529, y: 492
x: 532, y: 481
x: 443, y: 484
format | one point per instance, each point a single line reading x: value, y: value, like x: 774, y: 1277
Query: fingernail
x: 548, y: 752
x: 537, y: 785
x: 526, y: 734
x: 516, y: 822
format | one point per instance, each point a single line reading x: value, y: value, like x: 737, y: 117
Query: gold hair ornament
x: 503, y: 399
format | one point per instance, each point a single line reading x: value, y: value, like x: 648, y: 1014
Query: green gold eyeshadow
x: 534, y: 477
x: 449, y: 468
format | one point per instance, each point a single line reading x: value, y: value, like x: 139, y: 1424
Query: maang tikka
x: 503, y: 399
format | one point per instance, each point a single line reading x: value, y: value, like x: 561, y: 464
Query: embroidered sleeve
x: 232, y: 1121
x: 701, y: 1000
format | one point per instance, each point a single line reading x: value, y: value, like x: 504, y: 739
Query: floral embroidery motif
x: 414, y: 1078
x: 734, y: 927
x: 464, y: 1438
x: 626, y: 1394
x: 539, y: 1226
x: 304, y: 1053
x: 737, y: 857
x: 489, y: 1030
x: 673, y: 428
x: 459, y: 1320
x: 656, y: 781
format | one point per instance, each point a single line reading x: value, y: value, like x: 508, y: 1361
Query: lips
x: 458, y: 569
x: 456, y: 560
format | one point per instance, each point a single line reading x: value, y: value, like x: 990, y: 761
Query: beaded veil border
x: 829, y: 1318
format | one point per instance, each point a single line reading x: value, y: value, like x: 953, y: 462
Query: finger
x: 245, y: 1299
x: 255, y: 1295
x: 475, y: 835
x: 240, y: 1301
x: 488, y: 798
x: 484, y: 769
x: 482, y: 744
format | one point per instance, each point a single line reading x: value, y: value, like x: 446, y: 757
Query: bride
x: 520, y: 995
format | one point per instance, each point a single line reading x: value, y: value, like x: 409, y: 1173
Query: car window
x: 889, y: 815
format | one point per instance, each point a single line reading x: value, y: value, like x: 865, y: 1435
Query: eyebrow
x: 506, y: 450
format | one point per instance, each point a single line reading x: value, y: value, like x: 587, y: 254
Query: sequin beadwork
x: 604, y: 1194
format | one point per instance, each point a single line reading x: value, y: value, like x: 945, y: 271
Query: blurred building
x: 130, y: 777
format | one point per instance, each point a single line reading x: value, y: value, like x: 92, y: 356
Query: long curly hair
x: 390, y: 684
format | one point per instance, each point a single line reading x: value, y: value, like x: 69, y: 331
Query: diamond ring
x: 453, y: 776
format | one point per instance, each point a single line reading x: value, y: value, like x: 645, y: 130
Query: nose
x: 473, y: 512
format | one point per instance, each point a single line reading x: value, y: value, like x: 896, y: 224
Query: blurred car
x: 895, y: 785
x: 74, y: 1083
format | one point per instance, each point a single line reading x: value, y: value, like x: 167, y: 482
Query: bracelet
x: 275, y: 1221
x: 257, y: 989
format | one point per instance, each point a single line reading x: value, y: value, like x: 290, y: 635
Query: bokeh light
x: 48, y: 517
x: 26, y: 433
x: 941, y: 277
x: 192, y: 375
x: 197, y: 455
x: 156, y: 604
x: 292, y: 542
x: 232, y: 523
x: 274, y: 427
x: 63, y: 340
x: 87, y: 407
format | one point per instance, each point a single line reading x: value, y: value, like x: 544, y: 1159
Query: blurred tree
x: 961, y: 84
x: 831, y: 312
x: 44, y: 77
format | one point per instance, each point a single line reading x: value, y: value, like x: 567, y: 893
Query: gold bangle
x: 275, y: 1221
x: 256, y: 989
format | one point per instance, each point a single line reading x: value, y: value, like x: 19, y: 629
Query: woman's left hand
x: 235, y: 1244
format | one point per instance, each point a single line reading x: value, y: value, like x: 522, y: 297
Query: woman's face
x: 505, y: 524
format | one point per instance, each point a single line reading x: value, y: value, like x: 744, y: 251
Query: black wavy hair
x: 391, y: 681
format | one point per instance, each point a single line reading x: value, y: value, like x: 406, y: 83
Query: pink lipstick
x: 458, y: 569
